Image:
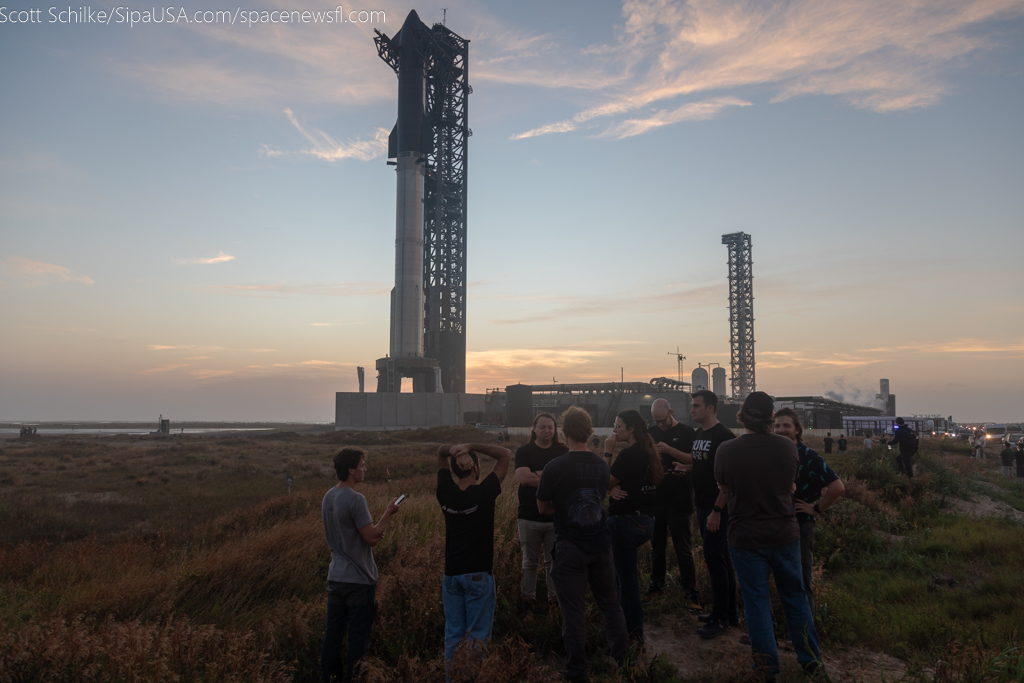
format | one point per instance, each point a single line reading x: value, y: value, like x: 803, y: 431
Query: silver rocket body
x: 407, y: 304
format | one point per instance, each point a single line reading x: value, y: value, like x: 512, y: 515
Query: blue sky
x: 197, y: 219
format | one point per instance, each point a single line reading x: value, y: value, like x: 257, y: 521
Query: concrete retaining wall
x: 353, y: 410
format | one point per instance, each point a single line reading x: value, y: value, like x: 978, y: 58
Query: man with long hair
x: 572, y: 488
x: 757, y: 472
x: 352, y: 574
x: 536, y: 531
x: 633, y: 480
x: 468, y: 587
x: 813, y: 475
x: 673, y: 513
x: 712, y: 515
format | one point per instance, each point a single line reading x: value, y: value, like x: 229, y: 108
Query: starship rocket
x: 410, y: 141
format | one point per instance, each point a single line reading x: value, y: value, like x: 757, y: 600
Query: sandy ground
x: 727, y: 657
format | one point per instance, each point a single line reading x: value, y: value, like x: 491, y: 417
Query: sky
x: 197, y: 220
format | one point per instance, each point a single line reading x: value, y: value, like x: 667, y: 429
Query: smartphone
x: 400, y: 499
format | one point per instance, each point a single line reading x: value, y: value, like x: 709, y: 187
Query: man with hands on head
x: 468, y: 506
x: 352, y: 574
x: 674, y: 508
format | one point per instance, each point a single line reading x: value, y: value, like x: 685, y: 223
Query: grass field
x: 184, y: 558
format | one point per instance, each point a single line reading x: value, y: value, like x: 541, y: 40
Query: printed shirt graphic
x: 812, y: 475
x: 469, y: 523
x: 576, y: 484
x: 705, y: 445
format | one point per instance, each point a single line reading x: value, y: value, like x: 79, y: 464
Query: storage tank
x: 718, y: 381
x: 699, y: 379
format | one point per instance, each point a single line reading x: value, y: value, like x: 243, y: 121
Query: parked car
x: 1013, y: 438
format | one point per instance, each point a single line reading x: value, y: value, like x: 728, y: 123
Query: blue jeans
x: 629, y: 532
x: 468, y: 610
x: 752, y: 570
x: 720, y: 571
x: 351, y: 607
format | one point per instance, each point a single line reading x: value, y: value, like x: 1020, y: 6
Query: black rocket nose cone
x: 412, y: 20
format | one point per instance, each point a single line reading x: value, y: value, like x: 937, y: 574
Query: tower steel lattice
x: 446, y: 63
x: 741, y: 313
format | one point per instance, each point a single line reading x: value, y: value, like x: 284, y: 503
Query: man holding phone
x: 352, y: 574
x: 468, y: 507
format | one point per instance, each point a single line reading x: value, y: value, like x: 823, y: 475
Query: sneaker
x: 693, y: 604
x: 712, y: 629
x: 705, y: 618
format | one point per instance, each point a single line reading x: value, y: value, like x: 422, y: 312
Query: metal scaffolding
x: 446, y: 62
x: 741, y: 313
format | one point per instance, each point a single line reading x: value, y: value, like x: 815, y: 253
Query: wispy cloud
x: 26, y: 272
x: 161, y: 368
x: 327, y: 148
x: 210, y: 374
x: 280, y: 289
x: 692, y: 111
x: 221, y: 257
x: 958, y: 346
x: 793, y: 359
x: 875, y: 54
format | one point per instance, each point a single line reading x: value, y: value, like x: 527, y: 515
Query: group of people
x: 755, y: 496
x: 1008, y: 455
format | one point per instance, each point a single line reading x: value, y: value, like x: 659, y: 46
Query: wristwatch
x: 717, y: 509
x: 608, y: 455
x: 817, y: 510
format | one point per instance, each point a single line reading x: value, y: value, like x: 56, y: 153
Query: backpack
x: 910, y: 439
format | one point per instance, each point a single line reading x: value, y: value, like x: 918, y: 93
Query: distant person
x: 757, y: 472
x: 1006, y: 460
x: 979, y: 446
x: 904, y: 437
x: 352, y: 574
x: 712, y: 515
x: 572, y: 488
x: 536, y: 531
x: 1019, y: 457
x: 673, y: 513
x: 501, y: 437
x: 828, y: 443
x: 813, y: 475
x: 633, y: 480
x: 842, y: 443
x: 868, y: 444
x: 468, y: 586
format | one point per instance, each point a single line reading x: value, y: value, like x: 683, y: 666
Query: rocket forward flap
x: 393, y: 143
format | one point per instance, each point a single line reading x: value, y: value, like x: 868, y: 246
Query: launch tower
x: 741, y: 313
x: 428, y: 145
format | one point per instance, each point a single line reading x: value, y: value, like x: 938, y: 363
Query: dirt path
x: 727, y: 658
x: 984, y: 506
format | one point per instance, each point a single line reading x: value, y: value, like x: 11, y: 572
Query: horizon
x: 198, y: 220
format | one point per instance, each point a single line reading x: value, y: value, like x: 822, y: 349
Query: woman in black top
x: 635, y: 475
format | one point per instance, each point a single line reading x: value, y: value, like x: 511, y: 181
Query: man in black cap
x: 904, y: 437
x: 757, y: 471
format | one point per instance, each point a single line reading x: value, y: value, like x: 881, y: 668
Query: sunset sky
x: 197, y: 219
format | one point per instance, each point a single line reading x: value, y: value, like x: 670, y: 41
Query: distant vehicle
x: 1013, y: 438
x: 994, y: 431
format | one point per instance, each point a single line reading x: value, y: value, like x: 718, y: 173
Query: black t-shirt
x: 705, y: 445
x: 633, y: 471
x: 1006, y: 455
x: 675, y: 490
x: 468, y: 522
x: 576, y: 484
x: 536, y: 458
x: 842, y: 444
x: 759, y: 470
x: 828, y: 444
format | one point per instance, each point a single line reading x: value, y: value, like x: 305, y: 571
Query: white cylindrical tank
x: 699, y: 379
x: 718, y: 380
x: 407, y: 297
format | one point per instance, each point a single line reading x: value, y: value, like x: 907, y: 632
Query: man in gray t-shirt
x: 352, y: 575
